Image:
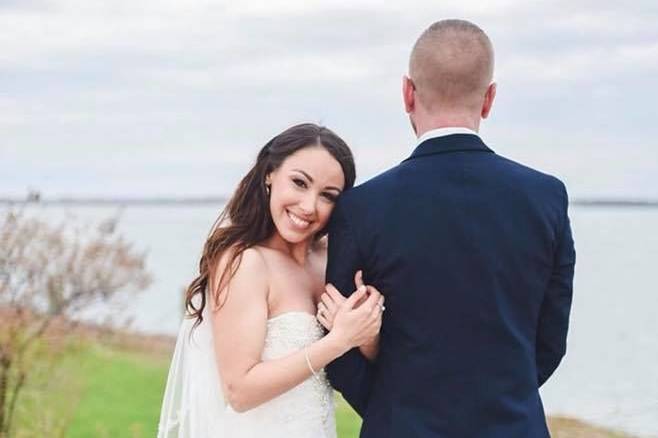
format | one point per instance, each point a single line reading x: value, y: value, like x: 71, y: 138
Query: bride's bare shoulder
x: 250, y: 260
x: 248, y: 268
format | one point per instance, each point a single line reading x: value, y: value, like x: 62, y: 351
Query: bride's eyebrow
x: 304, y: 173
x: 311, y: 180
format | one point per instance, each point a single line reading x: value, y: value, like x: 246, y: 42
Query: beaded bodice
x: 305, y: 411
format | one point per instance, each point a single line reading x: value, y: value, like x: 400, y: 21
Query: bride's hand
x: 354, y: 326
x: 331, y: 300
x: 329, y: 303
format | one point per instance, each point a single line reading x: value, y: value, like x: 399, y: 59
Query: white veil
x: 193, y: 404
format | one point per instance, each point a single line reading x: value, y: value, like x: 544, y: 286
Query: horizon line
x: 208, y: 200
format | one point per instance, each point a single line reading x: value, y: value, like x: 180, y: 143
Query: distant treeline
x: 614, y: 202
x: 118, y: 201
x: 584, y: 202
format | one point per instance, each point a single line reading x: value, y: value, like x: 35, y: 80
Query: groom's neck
x: 429, y: 122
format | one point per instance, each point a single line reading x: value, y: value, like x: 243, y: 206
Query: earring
x: 267, y: 189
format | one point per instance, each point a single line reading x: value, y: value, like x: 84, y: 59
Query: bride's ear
x: 268, y: 183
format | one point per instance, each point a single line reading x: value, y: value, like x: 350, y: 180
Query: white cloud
x: 168, y: 79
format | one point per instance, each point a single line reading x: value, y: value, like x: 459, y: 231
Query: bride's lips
x: 297, y: 221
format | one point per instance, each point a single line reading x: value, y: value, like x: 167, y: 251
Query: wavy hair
x: 246, y: 219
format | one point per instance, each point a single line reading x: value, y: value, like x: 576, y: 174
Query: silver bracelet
x: 308, y: 362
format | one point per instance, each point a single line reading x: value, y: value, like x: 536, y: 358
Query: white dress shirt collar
x: 441, y: 132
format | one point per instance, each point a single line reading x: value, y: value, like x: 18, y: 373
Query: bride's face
x: 303, y: 192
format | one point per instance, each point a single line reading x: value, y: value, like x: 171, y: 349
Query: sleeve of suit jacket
x: 554, y: 317
x: 350, y: 374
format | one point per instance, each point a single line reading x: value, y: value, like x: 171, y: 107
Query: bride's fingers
x: 372, y: 289
x: 323, y: 320
x: 328, y: 302
x: 376, y: 311
x: 358, y: 279
x: 334, y: 294
x: 370, y: 305
x: 326, y: 313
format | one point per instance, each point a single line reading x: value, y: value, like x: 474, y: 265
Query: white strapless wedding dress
x: 194, y: 406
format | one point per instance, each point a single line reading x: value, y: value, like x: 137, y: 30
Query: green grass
x: 104, y: 392
x: 348, y: 422
x: 124, y: 392
x: 122, y: 395
x: 94, y: 392
x: 108, y: 392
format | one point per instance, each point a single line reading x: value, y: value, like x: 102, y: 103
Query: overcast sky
x: 157, y: 98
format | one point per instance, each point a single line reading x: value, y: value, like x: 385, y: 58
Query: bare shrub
x: 49, y: 276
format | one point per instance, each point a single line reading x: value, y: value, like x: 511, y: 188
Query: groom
x: 474, y: 255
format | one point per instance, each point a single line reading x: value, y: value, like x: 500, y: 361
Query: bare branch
x: 49, y: 273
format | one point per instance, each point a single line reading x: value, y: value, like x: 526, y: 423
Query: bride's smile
x: 297, y: 221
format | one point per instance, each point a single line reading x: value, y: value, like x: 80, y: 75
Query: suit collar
x: 441, y: 132
x: 450, y: 143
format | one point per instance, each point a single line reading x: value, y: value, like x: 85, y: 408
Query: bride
x: 249, y: 358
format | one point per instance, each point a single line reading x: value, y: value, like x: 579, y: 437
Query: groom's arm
x: 554, y: 316
x: 351, y: 373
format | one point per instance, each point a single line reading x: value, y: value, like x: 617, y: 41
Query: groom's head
x: 450, y: 76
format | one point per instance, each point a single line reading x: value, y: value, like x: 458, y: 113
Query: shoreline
x: 214, y: 201
x: 159, y: 348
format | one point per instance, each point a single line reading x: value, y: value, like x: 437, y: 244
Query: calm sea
x: 610, y: 374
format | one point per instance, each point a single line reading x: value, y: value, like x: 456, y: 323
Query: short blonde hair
x: 452, y: 64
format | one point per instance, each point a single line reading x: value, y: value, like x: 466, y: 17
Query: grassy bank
x: 103, y: 391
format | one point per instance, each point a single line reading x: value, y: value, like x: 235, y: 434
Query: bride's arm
x: 239, y: 330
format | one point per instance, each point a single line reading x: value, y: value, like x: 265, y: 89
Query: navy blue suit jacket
x: 475, y: 257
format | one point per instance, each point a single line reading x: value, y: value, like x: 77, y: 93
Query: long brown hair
x: 246, y: 220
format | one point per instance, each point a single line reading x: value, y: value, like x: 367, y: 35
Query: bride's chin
x: 294, y: 237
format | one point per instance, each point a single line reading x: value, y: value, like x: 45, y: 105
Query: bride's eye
x: 299, y: 182
x: 330, y: 197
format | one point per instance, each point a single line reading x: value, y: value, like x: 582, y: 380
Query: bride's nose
x: 307, y: 204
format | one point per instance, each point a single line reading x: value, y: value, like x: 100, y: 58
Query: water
x: 610, y: 374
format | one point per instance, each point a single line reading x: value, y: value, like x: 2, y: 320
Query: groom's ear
x: 489, y: 97
x: 408, y: 94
